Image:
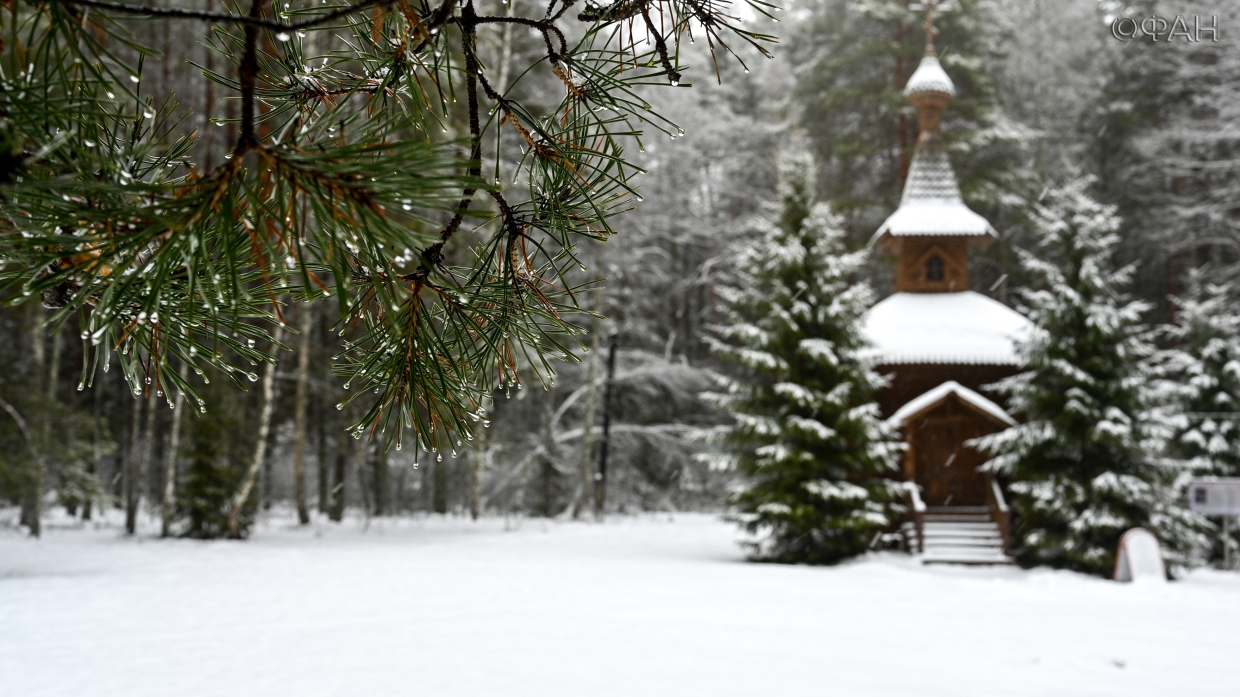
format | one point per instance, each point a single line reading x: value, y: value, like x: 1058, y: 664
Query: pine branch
x: 252, y: 20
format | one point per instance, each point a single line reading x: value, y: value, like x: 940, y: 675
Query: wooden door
x: 946, y: 468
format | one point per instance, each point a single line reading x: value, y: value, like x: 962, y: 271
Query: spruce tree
x: 1201, y: 381
x: 807, y: 437
x: 1084, y: 462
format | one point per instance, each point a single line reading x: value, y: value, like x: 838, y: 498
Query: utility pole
x: 600, y: 490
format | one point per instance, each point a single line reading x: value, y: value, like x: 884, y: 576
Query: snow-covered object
x: 934, y: 217
x: 931, y: 203
x: 1199, y: 384
x: 646, y: 604
x: 1084, y: 463
x: 955, y: 328
x: 929, y: 77
x: 1139, y: 558
x: 815, y: 456
x: 919, y: 404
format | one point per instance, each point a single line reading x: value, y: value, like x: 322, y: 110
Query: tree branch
x: 247, y: 77
x: 248, y: 21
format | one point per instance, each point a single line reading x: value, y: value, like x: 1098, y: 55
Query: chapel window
x: 934, y: 268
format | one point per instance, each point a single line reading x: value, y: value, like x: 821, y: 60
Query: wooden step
x: 962, y: 535
x: 957, y: 517
x: 983, y: 510
x: 988, y: 560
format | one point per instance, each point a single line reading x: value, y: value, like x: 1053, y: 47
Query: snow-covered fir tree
x: 1085, y: 462
x: 807, y: 436
x: 1201, y: 386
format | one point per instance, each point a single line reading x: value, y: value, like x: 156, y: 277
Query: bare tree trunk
x: 361, y: 463
x: 600, y: 487
x: 586, y: 494
x: 53, y: 374
x: 440, y: 498
x: 170, y: 460
x: 129, y: 473
x: 379, y: 471
x: 208, y: 108
x: 479, y: 456
x: 505, y: 57
x: 549, y: 472
x: 32, y: 497
x: 321, y: 443
x: 96, y: 446
x: 339, y: 471
x: 24, y: 428
x: 299, y: 414
x: 148, y: 447
x: 260, y: 449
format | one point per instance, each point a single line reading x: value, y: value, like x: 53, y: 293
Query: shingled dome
x: 931, y: 204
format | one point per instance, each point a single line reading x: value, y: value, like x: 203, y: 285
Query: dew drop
x: 283, y: 36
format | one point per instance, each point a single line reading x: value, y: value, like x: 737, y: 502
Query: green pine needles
x: 814, y: 454
x: 1085, y: 463
x: 452, y: 261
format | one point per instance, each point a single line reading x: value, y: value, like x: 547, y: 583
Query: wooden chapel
x: 941, y: 344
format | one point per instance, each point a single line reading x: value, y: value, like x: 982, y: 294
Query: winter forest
x: 537, y: 313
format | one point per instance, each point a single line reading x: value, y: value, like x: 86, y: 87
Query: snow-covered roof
x: 918, y: 405
x: 934, y: 218
x: 953, y: 328
x: 931, y: 203
x: 929, y: 77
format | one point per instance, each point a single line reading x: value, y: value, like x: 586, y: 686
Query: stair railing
x: 918, y: 508
x: 1001, y: 513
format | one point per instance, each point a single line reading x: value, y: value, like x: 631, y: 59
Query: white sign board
x: 1139, y: 558
x: 1219, y: 496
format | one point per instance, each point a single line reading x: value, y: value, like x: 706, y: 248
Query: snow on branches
x: 1085, y: 462
x: 807, y: 437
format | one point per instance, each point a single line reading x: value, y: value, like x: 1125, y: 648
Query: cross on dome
x: 929, y: 7
x: 931, y: 206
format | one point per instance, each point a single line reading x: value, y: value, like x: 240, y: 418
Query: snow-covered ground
x: 637, y: 606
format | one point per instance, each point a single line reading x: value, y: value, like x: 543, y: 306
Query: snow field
x: 658, y: 605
